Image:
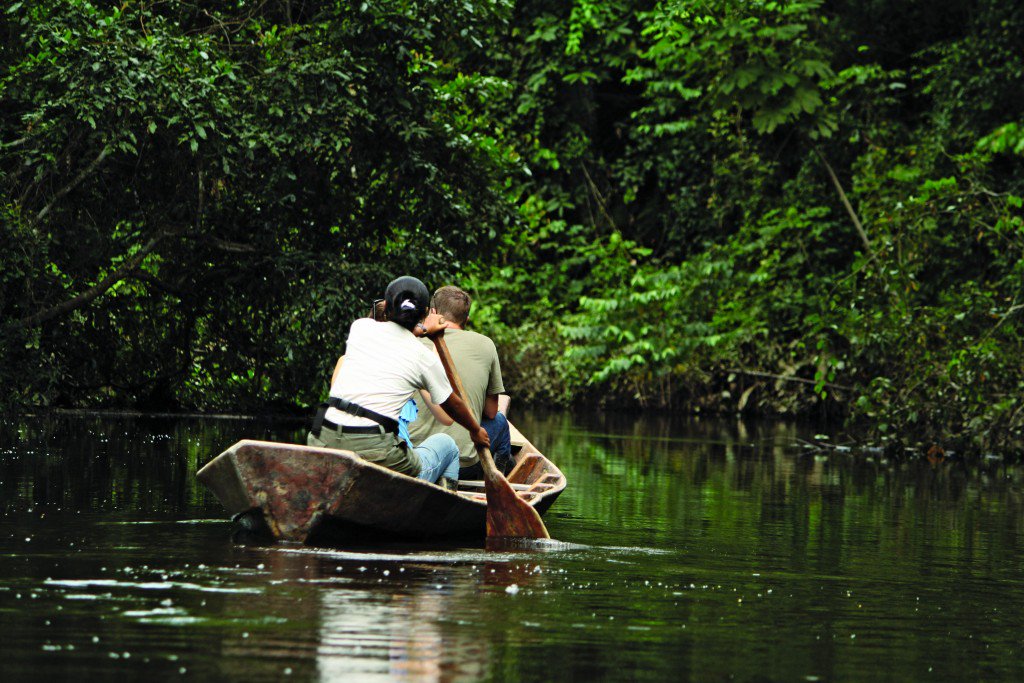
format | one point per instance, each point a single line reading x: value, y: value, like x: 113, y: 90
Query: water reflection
x: 403, y: 615
x: 687, y: 550
x: 401, y: 638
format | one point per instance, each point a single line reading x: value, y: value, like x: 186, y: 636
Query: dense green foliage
x: 802, y: 206
x: 248, y: 177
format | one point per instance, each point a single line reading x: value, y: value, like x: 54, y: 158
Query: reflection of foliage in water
x: 129, y: 464
x: 749, y: 510
x: 712, y: 549
x: 729, y: 488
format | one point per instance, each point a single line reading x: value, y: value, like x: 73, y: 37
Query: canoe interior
x: 327, y: 497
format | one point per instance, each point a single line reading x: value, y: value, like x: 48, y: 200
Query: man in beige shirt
x: 476, y: 361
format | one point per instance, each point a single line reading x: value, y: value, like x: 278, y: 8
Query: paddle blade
x: 508, y: 515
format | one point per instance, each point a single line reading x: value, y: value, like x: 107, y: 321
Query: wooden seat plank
x: 479, y: 484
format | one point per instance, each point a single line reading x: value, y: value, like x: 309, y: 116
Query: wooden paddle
x: 508, y: 515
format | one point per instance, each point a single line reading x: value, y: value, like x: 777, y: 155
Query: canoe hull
x: 324, y: 496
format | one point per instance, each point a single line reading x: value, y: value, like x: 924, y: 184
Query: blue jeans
x: 439, y: 457
x: 501, y: 441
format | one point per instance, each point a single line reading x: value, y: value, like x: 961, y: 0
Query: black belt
x: 389, y: 424
x: 345, y: 429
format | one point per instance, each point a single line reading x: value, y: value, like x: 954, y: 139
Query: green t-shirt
x: 476, y: 361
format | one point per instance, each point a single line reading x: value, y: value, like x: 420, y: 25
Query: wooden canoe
x: 322, y: 496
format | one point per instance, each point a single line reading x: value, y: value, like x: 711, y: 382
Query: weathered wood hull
x: 322, y: 496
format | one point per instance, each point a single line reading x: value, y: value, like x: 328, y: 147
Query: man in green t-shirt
x: 476, y: 361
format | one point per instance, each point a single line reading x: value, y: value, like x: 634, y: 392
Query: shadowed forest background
x: 810, y: 208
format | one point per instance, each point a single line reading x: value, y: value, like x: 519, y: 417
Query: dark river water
x: 686, y: 551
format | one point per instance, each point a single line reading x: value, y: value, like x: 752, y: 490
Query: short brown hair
x: 379, y: 311
x: 453, y: 303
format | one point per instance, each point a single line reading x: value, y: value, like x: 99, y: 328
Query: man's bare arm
x: 491, y: 406
x: 435, y: 409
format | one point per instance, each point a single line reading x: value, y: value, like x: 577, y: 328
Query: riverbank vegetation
x: 811, y: 208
